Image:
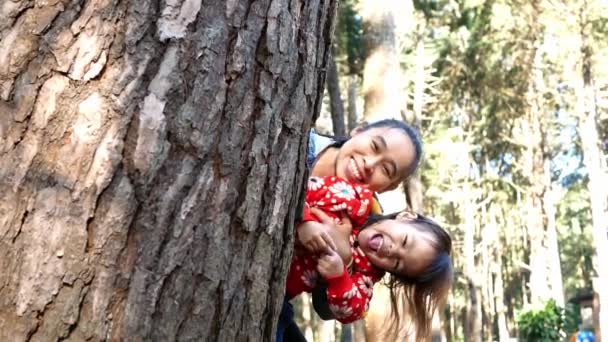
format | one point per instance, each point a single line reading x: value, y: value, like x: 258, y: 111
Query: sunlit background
x: 511, y: 99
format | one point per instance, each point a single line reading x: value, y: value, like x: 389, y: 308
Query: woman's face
x: 377, y: 158
x: 398, y: 246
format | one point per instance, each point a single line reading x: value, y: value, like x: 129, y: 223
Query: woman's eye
x: 385, y: 170
x: 374, y: 146
x: 405, y: 241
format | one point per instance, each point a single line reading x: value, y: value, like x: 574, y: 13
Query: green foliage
x: 576, y: 249
x: 541, y: 325
x: 548, y: 324
x: 349, y: 37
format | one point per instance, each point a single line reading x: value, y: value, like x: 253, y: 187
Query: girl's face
x: 398, y: 246
x: 377, y: 157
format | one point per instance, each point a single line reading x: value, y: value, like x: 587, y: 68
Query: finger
x: 322, y: 246
x: 311, y: 246
x: 325, y: 219
x: 345, y: 222
x: 329, y: 241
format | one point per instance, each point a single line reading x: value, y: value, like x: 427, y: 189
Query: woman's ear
x: 407, y: 215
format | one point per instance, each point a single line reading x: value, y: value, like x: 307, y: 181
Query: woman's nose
x: 370, y: 162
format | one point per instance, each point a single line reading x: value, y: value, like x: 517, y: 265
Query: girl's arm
x: 348, y: 296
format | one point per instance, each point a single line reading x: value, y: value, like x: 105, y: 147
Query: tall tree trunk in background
x: 359, y: 331
x: 534, y: 164
x: 592, y: 158
x: 347, y: 333
x: 307, y: 317
x: 413, y: 186
x: 382, y: 71
x: 499, y: 296
x: 353, y: 117
x: 326, y: 331
x: 148, y: 164
x: 473, y: 317
x: 489, y: 237
x: 550, y: 201
x: 336, y: 106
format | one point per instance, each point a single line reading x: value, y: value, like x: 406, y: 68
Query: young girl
x: 411, y: 247
x: 379, y: 156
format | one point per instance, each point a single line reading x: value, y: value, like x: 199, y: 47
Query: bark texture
x: 151, y: 158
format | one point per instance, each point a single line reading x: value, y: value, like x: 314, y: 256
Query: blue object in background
x: 585, y: 336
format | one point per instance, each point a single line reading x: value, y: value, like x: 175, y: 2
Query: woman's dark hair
x: 408, y: 130
x: 422, y: 295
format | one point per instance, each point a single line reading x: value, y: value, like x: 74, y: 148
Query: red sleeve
x: 349, y: 296
x: 308, y: 215
x: 302, y: 276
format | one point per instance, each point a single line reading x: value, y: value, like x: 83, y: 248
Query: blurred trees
x: 511, y: 98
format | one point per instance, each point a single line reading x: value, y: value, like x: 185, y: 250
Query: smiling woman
x: 379, y: 156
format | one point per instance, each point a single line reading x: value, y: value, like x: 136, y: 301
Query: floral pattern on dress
x: 309, y: 277
x: 343, y: 190
x: 341, y: 311
x: 366, y: 285
x: 315, y: 183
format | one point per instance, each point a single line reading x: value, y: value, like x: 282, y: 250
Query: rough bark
x: 336, y: 105
x: 149, y: 156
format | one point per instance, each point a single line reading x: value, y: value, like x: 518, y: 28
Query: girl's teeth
x: 353, y: 168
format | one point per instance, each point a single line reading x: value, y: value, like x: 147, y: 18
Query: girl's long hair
x: 424, y: 294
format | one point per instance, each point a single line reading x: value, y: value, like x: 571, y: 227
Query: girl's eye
x: 396, y: 265
x: 374, y: 146
x: 405, y: 241
x: 385, y: 169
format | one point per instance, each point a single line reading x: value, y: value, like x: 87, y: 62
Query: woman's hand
x: 314, y: 236
x: 330, y: 265
x: 338, y: 232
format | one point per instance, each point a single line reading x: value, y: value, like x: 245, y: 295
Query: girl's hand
x: 315, y: 238
x: 344, y: 226
x: 330, y: 265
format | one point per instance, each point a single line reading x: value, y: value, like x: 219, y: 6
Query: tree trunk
x: 473, y: 322
x: 382, y: 70
x: 359, y: 331
x: 336, y: 106
x: 534, y: 166
x: 592, y: 158
x: 307, y: 317
x: 352, y: 102
x: 347, y: 333
x: 148, y: 164
x: 503, y: 331
x: 553, y: 257
x: 326, y: 331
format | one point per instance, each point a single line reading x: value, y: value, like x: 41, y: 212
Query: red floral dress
x: 348, y: 294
